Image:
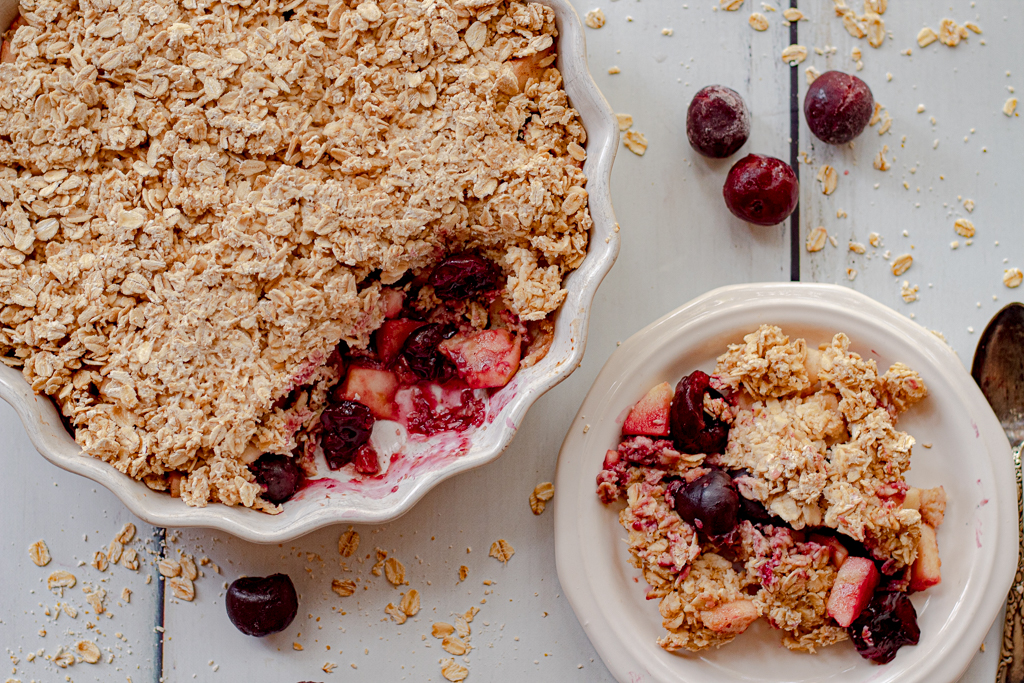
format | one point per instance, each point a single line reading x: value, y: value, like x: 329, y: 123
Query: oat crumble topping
x: 192, y: 198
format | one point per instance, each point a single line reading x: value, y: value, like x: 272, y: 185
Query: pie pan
x: 333, y: 499
x: 969, y: 456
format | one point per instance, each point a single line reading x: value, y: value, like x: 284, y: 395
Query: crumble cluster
x: 193, y: 195
x: 812, y: 439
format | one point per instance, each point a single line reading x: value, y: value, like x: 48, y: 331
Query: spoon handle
x: 1011, y: 656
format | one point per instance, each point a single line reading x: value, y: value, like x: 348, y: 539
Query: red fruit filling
x: 888, y: 623
x: 344, y: 428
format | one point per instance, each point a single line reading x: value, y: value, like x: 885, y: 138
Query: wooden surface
x: 678, y: 240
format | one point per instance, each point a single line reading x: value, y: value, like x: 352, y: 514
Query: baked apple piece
x: 926, y: 570
x: 374, y: 388
x: 854, y: 585
x: 650, y: 415
x: 486, y: 359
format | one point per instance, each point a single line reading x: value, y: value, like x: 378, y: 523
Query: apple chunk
x: 485, y: 359
x: 855, y: 584
x: 391, y: 336
x: 649, y: 417
x: 837, y: 552
x: 732, y: 617
x: 926, y: 570
x: 393, y: 300
x: 375, y: 389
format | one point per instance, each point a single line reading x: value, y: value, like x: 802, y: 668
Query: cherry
x: 693, y: 430
x: 344, y: 428
x: 709, y: 503
x: 761, y: 190
x: 717, y: 122
x: 261, y: 605
x: 837, y: 107
x: 888, y: 623
x: 278, y: 474
x: 421, y: 353
x: 461, y: 276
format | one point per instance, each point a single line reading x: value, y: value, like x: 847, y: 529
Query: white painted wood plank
x: 678, y: 240
x: 75, y: 518
x: 964, y: 89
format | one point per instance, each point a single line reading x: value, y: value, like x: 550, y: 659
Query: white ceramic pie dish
x: 402, y: 487
x: 970, y: 457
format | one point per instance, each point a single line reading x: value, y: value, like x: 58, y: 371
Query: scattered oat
x: 329, y: 667
x: 969, y: 205
x: 130, y: 559
x: 973, y: 26
x: 794, y: 54
x: 114, y: 551
x: 541, y: 494
x: 394, y: 571
x: 812, y: 74
x: 901, y: 264
x: 883, y: 128
x: 463, y: 573
x: 880, y: 162
x: 758, y: 22
x: 1010, y: 106
x: 126, y: 594
x: 851, y: 274
x: 297, y: 647
x: 926, y: 37
x: 964, y: 227
x: 441, y: 629
x: 876, y: 6
x: 39, y: 553
x: 1012, y: 277
x: 69, y: 610
x: 908, y: 293
x: 816, y: 239
x: 502, y: 550
x: 875, y: 240
x: 183, y: 588
x: 594, y: 18
x: 793, y: 14
x: 378, y: 567
x: 955, y: 244
x: 396, y: 613
x: 188, y: 567
x: 828, y: 178
x: 876, y: 115
x: 348, y: 543
x: 730, y: 5
x: 410, y: 603
x: 462, y: 627
x: 667, y: 31
x: 614, y: 70
x: 454, y: 645
x: 168, y: 567
x: 625, y: 121
x: 950, y: 34
x: 856, y: 54
x: 875, y: 28
x: 857, y: 247
x: 88, y: 651
x: 95, y: 598
x: 449, y: 669
x: 61, y: 579
x: 635, y: 142
x: 126, y: 534
x: 99, y: 561
x: 63, y: 658
x: 344, y: 588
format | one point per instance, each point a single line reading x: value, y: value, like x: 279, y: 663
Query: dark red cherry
x: 278, y: 474
x: 888, y: 623
x: 717, y: 122
x: 421, y: 353
x: 461, y: 276
x: 261, y: 605
x: 709, y: 503
x: 344, y: 427
x: 837, y: 107
x: 761, y: 190
x: 693, y: 430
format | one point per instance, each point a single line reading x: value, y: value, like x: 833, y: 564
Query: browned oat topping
x: 193, y: 194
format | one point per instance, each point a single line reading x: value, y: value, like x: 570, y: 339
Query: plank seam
x: 794, y: 155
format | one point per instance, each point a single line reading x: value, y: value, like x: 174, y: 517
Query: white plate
x: 970, y: 457
x: 335, y: 500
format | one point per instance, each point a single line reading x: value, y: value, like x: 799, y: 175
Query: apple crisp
x: 200, y: 200
x: 775, y: 488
